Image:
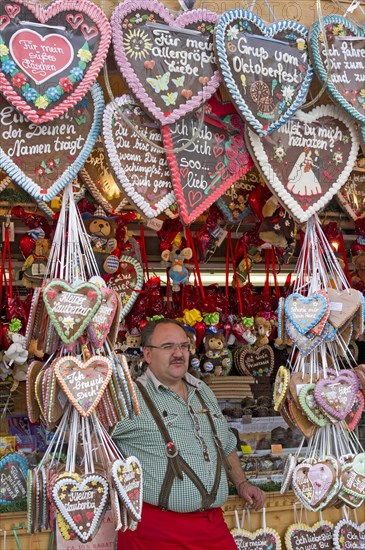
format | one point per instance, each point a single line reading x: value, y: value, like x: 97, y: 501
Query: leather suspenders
x: 176, y: 465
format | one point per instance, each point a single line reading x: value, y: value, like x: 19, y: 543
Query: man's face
x: 169, y: 366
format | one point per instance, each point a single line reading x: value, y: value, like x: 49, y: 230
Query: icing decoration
x: 141, y: 171
x: 353, y: 477
x: 343, y: 305
x: 304, y: 343
x: 216, y: 159
x: 100, y: 325
x: 82, y: 504
x: 234, y: 202
x: 300, y: 535
x: 127, y: 477
x: 84, y: 382
x: 300, y: 420
x: 345, y: 55
x: 256, y: 363
x: 44, y: 158
x: 281, y: 386
x: 54, y: 404
x: 305, y: 312
x: 168, y: 63
x: 97, y: 177
x: 50, y: 57
x: 289, y: 466
x: 32, y: 406
x: 127, y: 282
x: 71, y: 308
x: 315, y: 484
x: 348, y: 534
x: 335, y: 396
x: 308, y: 159
x: 362, y: 138
x: 262, y: 538
x: 310, y: 406
x: 351, y: 196
x: 266, y: 69
x: 13, y: 475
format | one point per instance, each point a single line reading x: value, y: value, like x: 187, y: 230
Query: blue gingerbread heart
x: 13, y: 475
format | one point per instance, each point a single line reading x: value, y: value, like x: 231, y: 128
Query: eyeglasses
x: 183, y: 346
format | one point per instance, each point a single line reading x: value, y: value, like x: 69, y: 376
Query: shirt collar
x: 148, y: 375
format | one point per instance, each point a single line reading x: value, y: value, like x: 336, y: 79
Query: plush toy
x: 263, y: 329
x: 277, y: 227
x: 133, y: 352
x: 101, y: 229
x: 194, y: 359
x: 178, y: 272
x: 35, y: 265
x: 217, y: 359
x: 16, y: 355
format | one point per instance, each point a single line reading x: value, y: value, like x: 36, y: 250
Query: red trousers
x: 161, y: 530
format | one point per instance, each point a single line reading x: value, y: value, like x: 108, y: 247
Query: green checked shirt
x: 190, y: 431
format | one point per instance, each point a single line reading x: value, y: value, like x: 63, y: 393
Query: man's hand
x: 252, y: 495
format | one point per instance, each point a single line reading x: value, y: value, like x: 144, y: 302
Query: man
x: 186, y: 450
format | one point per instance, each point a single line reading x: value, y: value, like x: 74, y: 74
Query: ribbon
x: 211, y: 318
x: 248, y: 322
x: 155, y: 318
x: 191, y: 316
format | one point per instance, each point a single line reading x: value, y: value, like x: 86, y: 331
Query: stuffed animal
x: 133, y: 352
x: 263, y: 329
x: 35, y: 265
x: 194, y: 359
x: 178, y: 273
x: 217, y: 359
x: 16, y: 356
x: 101, y: 229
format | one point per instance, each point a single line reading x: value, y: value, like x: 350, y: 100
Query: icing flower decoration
x: 4, y: 50
x: 19, y: 80
x: 41, y: 102
x: 66, y: 84
x: 84, y: 55
x: 191, y: 316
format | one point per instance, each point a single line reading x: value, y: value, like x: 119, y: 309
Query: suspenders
x: 177, y: 465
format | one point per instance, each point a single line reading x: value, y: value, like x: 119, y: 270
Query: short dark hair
x: 148, y: 330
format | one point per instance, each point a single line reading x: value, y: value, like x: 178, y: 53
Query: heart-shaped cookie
x: 310, y: 406
x: 252, y: 57
x: 234, y: 202
x: 127, y: 282
x: 98, y: 179
x: 352, y: 419
x: 289, y: 466
x: 99, y: 326
x: 336, y: 396
x: 338, y: 61
x: 348, y: 534
x: 32, y: 405
x: 262, y: 538
x: 343, y: 305
x: 353, y: 477
x: 13, y: 475
x: 84, y: 383
x: 308, y: 159
x: 281, y: 386
x: 216, y: 159
x: 306, y: 312
x: 141, y: 170
x: 71, y: 308
x: 300, y: 535
x: 314, y: 483
x: 305, y: 343
x: 44, y: 158
x: 51, y: 56
x: 351, y: 196
x: 168, y: 64
x: 82, y: 503
x: 256, y: 363
x: 300, y: 420
x: 128, y: 480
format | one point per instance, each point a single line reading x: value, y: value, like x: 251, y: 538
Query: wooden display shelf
x: 230, y: 387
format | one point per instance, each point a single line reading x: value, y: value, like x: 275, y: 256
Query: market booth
x: 203, y: 163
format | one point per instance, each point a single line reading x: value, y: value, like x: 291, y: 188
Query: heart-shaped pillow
x: 71, y: 308
x: 343, y: 57
x: 141, y: 171
x: 215, y: 160
x: 128, y: 480
x: 308, y: 159
x: 84, y: 383
x: 266, y: 69
x: 13, y: 475
x: 51, y: 56
x: 300, y: 535
x: 44, y: 158
x: 168, y: 64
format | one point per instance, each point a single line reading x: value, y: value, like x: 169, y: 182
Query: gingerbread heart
x: 315, y: 483
x: 343, y: 305
x: 128, y: 480
x: 261, y: 538
x: 301, y: 535
x: 32, y: 405
x: 300, y: 420
x: 310, y: 406
x: 353, y: 418
x: 308, y: 159
x: 234, y: 202
x: 127, y: 282
x: 170, y: 67
x: 336, y: 396
x: 99, y: 326
x: 251, y: 56
x: 351, y: 196
x: 362, y: 138
x: 71, y: 308
x: 306, y: 312
x: 84, y: 383
x: 256, y: 363
x: 205, y: 169
x: 305, y: 343
x: 281, y: 386
x: 42, y: 159
x: 289, y: 466
x: 348, y: 534
x: 100, y: 182
x: 82, y: 503
x: 337, y: 61
x: 13, y: 475
x: 353, y: 477
x: 51, y: 56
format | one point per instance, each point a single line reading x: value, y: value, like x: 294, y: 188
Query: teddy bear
x: 132, y: 350
x: 217, y: 359
x: 35, y: 265
x: 101, y: 230
x: 263, y: 329
x: 178, y: 273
